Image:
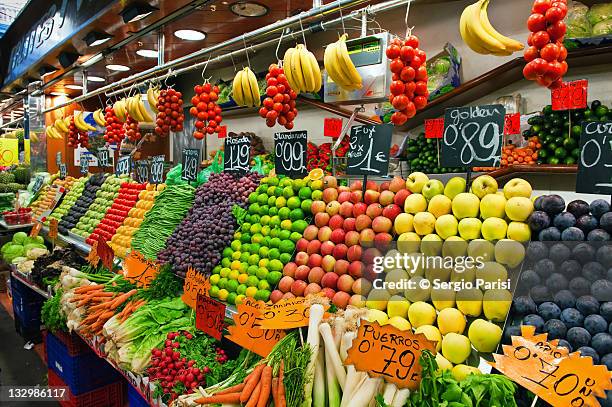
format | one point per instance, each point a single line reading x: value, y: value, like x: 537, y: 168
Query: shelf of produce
x: 533, y: 169
x: 24, y: 279
x: 498, y: 78
x: 6, y: 226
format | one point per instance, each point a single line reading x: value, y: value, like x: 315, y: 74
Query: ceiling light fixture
x: 76, y: 87
x: 46, y: 70
x: 248, y: 9
x: 95, y: 79
x: 147, y: 53
x: 95, y: 38
x: 67, y: 58
x: 136, y: 12
x: 116, y: 67
x: 190, y: 35
x: 58, y: 94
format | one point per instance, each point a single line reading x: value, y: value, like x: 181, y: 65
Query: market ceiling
x: 126, y: 32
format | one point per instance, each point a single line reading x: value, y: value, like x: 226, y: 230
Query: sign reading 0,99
x: 290, y: 153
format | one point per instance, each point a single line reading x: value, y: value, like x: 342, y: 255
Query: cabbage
x: 578, y: 25
x: 34, y: 240
x: 603, y: 27
x: 20, y: 238
x: 13, y: 251
x: 5, y: 246
x: 31, y: 246
x: 599, y: 13
x: 18, y: 260
x: 35, y: 253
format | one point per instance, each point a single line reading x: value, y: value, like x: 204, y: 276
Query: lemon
x: 451, y: 320
x: 214, y: 291
x: 239, y: 298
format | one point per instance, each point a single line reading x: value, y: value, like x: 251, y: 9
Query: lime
x: 252, y: 270
x: 255, y: 218
x: 255, y: 228
x: 257, y: 238
x: 231, y: 286
x: 262, y: 272
x: 266, y: 241
x: 242, y: 278
x: 262, y: 199
x: 274, y: 232
x: 264, y: 263
x: 252, y: 281
x: 263, y: 210
x: 261, y: 189
x: 285, y: 257
x: 231, y: 298
x: 263, y: 251
x: 281, y: 202
x: 273, y: 211
x: 295, y: 236
x: 254, y: 208
x: 284, y: 213
x: 298, y: 183
x: 238, y: 234
x: 222, y: 282
x: 296, y: 214
x: 236, y: 255
x: 275, y: 242
x: 241, y: 289
x: 223, y: 294
x: 244, y: 257
x: 246, y: 225
x: 275, y: 221
x: 246, y: 247
x: 253, y: 259
x: 254, y: 248
x: 560, y: 152
x: 275, y: 265
x: 265, y: 230
x: 265, y: 180
x: 245, y: 238
x: 305, y: 205
x: 274, y: 277
x: 285, y: 182
x: 287, y: 246
x: 265, y: 219
x: 284, y: 234
x: 225, y: 262
x: 278, y: 191
x: 263, y: 285
x: 253, y: 197
x: 317, y: 195
x: 287, y: 192
x: 294, y: 202
x: 272, y: 181
x: 216, y: 269
x: 214, y: 291
x: 233, y: 275
x: 214, y: 279
x: 286, y: 224
x: 270, y: 190
x: 262, y: 295
x: 305, y: 193
x: 299, y: 226
x: 275, y: 253
x: 271, y: 201
x: 251, y: 291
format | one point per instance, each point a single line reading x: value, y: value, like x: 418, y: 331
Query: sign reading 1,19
x: 237, y: 154
x: 290, y: 153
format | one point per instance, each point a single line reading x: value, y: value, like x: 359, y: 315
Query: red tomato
x: 213, y: 96
x: 272, y: 115
x: 407, y: 74
x: 271, y: 91
x: 540, y: 6
x: 531, y: 53
x: 199, y: 124
x: 274, y: 70
x: 421, y: 73
x: 421, y: 54
x: 421, y: 88
x: 550, y: 52
x: 420, y: 102
x: 398, y: 118
x: 198, y: 89
x: 193, y: 111
x: 556, y: 84
x: 562, y: 52
x: 272, y: 81
x: 207, y: 87
x: 195, y: 100
x: 396, y: 65
x: 555, y: 70
x: 400, y: 102
x: 397, y: 41
x: 393, y: 51
x: 416, y: 62
x: 554, y: 14
x: 282, y: 120
x: 407, y: 53
x: 263, y: 111
x: 540, y: 39
x: 412, y: 40
x: 560, y: 4
x: 268, y: 103
x: 557, y: 31
x: 394, y: 77
x: 278, y: 98
x: 530, y: 39
x: 202, y: 106
x: 281, y: 88
x: 212, y: 123
x: 543, y: 81
x: 218, y: 119
x: 410, y: 87
x: 270, y: 122
x: 278, y: 107
x: 198, y: 135
x: 203, y: 116
x: 536, y: 22
x: 397, y: 88
x: 289, y: 125
x: 540, y: 66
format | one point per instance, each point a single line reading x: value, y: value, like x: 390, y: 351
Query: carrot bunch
x: 512, y: 154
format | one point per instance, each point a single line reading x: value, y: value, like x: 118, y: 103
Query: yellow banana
x: 119, y: 109
x: 61, y: 126
x: 237, y: 94
x: 143, y: 110
x: 329, y: 62
x: 308, y: 74
x: 287, y: 68
x: 152, y: 100
x: 48, y: 131
x: 246, y: 87
x: 134, y: 111
x: 99, y: 118
x: 346, y: 65
x: 296, y: 70
x: 475, y: 26
x: 68, y: 120
x: 467, y: 36
x: 256, y: 98
x: 510, y: 44
x: 53, y: 133
x: 316, y: 72
x: 77, y: 122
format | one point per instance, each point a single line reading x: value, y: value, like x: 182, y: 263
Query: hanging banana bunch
x: 137, y: 110
x: 61, y: 126
x: 478, y: 33
x: 119, y: 108
x: 245, y: 90
x: 152, y: 97
x: 302, y: 69
x: 80, y: 123
x: 98, y: 117
x: 52, y: 132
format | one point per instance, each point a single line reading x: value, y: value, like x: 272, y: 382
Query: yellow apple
x: 509, y: 252
x: 519, y: 208
x: 492, y: 206
x: 519, y: 231
x: 446, y: 226
x: 465, y: 205
x: 431, y: 245
x: 408, y: 242
x: 439, y: 205
x: 424, y: 223
x: 454, y: 246
x: 415, y: 203
x: 484, y: 185
x: 416, y: 181
x: 494, y: 229
x: 454, y: 187
x: 481, y: 248
x: 403, y: 223
x: 517, y: 187
x: 469, y: 228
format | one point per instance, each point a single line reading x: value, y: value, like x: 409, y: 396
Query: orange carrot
x: 122, y: 298
x: 281, y: 385
x: 275, y: 391
x: 230, y: 398
x: 250, y: 383
x: 254, y: 399
x: 266, y: 384
x: 233, y: 389
x: 86, y: 288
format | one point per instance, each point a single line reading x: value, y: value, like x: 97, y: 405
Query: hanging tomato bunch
x: 170, y: 115
x: 77, y: 137
x: 546, y: 53
x: 206, y: 110
x: 115, y: 132
x: 279, y: 104
x: 409, y: 80
x: 133, y: 129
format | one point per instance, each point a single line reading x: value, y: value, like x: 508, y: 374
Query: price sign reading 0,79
x: 290, y: 153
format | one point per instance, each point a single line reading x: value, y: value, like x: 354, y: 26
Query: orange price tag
x: 35, y: 229
x: 551, y: 372
x: 434, y: 128
x: 247, y: 330
x: 210, y: 316
x: 222, y: 132
x: 93, y: 257
x: 570, y: 95
x: 195, y: 284
x: 512, y: 124
x: 105, y: 253
x: 139, y: 270
x: 387, y: 352
x: 332, y: 127
x: 53, y: 228
x: 286, y: 314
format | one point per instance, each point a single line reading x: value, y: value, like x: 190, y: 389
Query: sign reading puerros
x: 595, y: 162
x: 290, y: 153
x: 369, y: 150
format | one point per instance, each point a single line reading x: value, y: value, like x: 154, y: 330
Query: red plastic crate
x: 75, y: 345
x: 111, y: 395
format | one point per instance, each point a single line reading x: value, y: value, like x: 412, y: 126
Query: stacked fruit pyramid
x: 69, y: 199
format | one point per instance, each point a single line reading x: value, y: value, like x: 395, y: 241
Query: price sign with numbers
x: 512, y: 124
x: 38, y: 184
x: 595, y: 161
x: 570, y: 95
x: 195, y: 284
x: 387, y: 352
x: 84, y: 164
x: 190, y: 164
x: 285, y: 314
x: 290, y: 153
x: 473, y: 136
x: 434, y: 128
x: 369, y: 150
x: 157, y: 169
x: 58, y: 158
x: 139, y: 270
x: 106, y: 254
x: 247, y: 332
x: 53, y: 223
x: 210, y: 316
x: 142, y: 171
x: 92, y: 257
x: 35, y: 229
x: 332, y: 127
x: 103, y: 157
x: 550, y: 372
x: 124, y: 166
x: 63, y: 171
x: 237, y: 154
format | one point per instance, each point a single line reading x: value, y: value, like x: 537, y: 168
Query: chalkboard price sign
x: 369, y: 150
x: 142, y: 171
x: 38, y: 184
x: 84, y: 163
x: 103, y: 158
x: 473, y: 136
x: 237, y: 154
x: 290, y: 153
x: 595, y: 163
x: 157, y: 169
x: 190, y: 164
x: 63, y: 171
x: 124, y: 165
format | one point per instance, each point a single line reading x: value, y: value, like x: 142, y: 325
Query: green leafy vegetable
x: 51, y: 314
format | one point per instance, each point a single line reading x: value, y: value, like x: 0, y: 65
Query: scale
x: 368, y: 55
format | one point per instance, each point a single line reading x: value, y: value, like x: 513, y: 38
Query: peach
x: 298, y: 287
x: 324, y: 233
x: 328, y: 263
x: 301, y: 245
x: 312, y: 288
x: 348, y: 224
x: 315, y: 275
x: 285, y: 284
x: 371, y: 197
x: 343, y: 188
x: 369, y: 255
x: 275, y: 296
x: 359, y: 208
x: 366, y: 236
x: 341, y: 267
x: 386, y: 198
x: 362, y: 222
x: 346, y: 209
x: 354, y: 253
x: 369, y: 273
x: 321, y: 219
x: 332, y: 208
x: 288, y: 295
x: 374, y: 210
x: 400, y: 197
x: 356, y: 186
x: 382, y: 224
x: 336, y: 222
x: 357, y: 301
x: 327, y: 247
x: 396, y: 184
x: 341, y: 299
x: 289, y: 269
x: 329, y: 292
x: 356, y: 196
x: 340, y: 251
x: 337, y: 236
x: 356, y: 269
x: 330, y: 194
x: 329, y: 280
x: 344, y: 196
x: 345, y: 283
x: 391, y: 211
x: 310, y: 233
x: 330, y: 181
x: 351, y: 238
x: 301, y: 273
x: 361, y: 286
x: 301, y: 258
x: 314, y: 246
x: 317, y: 206
x: 314, y: 260
x: 372, y: 185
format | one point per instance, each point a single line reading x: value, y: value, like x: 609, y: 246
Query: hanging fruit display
x: 136, y: 109
x: 76, y: 136
x: 119, y: 109
x: 58, y: 128
x: 170, y: 116
x: 205, y: 110
x: 98, y: 117
x: 480, y: 35
x: 132, y: 129
x: 339, y: 66
x: 245, y: 90
x: 546, y: 53
x: 302, y: 69
x: 153, y: 97
x: 279, y: 103
x: 115, y: 132
x: 409, y: 81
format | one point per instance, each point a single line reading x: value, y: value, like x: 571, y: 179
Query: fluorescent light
x: 190, y: 35
x: 147, y: 53
x: 77, y: 87
x: 58, y: 94
x: 95, y: 79
x: 115, y: 67
x: 92, y: 60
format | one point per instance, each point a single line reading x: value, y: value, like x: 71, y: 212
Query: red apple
x: 369, y: 273
x: 314, y: 260
x: 361, y: 286
x: 354, y: 253
x: 330, y: 194
x: 356, y: 186
x: 289, y: 269
x: 315, y: 275
x: 370, y: 254
x: 396, y: 184
x: 348, y: 224
x: 332, y: 208
x: 328, y: 263
x: 327, y: 247
x: 317, y: 206
x: 298, y: 287
x: 288, y: 295
x: 301, y: 273
x: 344, y: 196
x: 341, y: 299
x: 340, y: 251
x: 382, y: 240
x: 310, y: 233
x: 321, y: 219
x: 374, y: 210
x: 285, y: 284
x: 391, y: 211
x: 371, y: 197
x: 382, y: 224
x: 386, y: 198
x: 384, y: 186
x: 329, y: 280
x: 345, y: 283
x: 356, y: 196
x: 400, y: 197
x: 356, y: 269
x: 301, y: 245
x: 329, y: 292
x: 337, y: 236
x: 314, y: 246
x: 336, y: 222
x: 275, y: 296
x: 312, y: 288
x: 366, y: 236
x: 330, y: 181
x: 362, y: 222
x: 372, y: 186
x: 343, y: 188
x: 301, y: 258
x: 346, y: 209
x: 341, y: 267
x: 351, y: 238
x: 359, y: 208
x: 324, y: 233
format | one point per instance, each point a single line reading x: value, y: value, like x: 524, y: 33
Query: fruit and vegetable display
x: 20, y: 245
x: 279, y: 102
x: 80, y: 207
x: 115, y: 215
x: 170, y: 116
x: 46, y: 196
x: 320, y: 156
x: 209, y: 226
x: 121, y: 241
x: 105, y: 196
x: 169, y: 209
x: 47, y: 267
x: 69, y: 199
x: 206, y: 110
x: 423, y: 155
x: 585, y: 22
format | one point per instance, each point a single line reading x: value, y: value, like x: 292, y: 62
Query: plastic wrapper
x: 603, y: 27
x: 578, y: 25
x: 599, y: 13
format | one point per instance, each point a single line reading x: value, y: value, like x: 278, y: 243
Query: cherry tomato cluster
x: 409, y: 80
x: 170, y: 116
x: 115, y: 132
x: 206, y: 110
x: 77, y: 137
x: 546, y: 53
x: 133, y: 129
x: 279, y: 104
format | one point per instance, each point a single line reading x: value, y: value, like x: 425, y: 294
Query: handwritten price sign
x: 35, y: 229
x: 247, y: 330
x: 512, y: 124
x: 570, y: 95
x: 139, y: 270
x: 551, y: 372
x: 53, y: 224
x: 434, y: 128
x: 195, y: 284
x: 332, y: 127
x: 285, y: 314
x: 105, y: 253
x: 387, y: 352
x: 92, y: 257
x: 210, y: 316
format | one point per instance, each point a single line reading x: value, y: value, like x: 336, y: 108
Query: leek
x: 316, y: 315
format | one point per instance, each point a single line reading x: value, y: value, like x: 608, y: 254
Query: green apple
x: 431, y: 245
x: 469, y: 228
x: 424, y: 223
x: 484, y: 185
x: 518, y: 231
x: 415, y: 203
x: 416, y: 181
x: 492, y: 206
x: 446, y: 226
x: 432, y: 188
x: 454, y: 187
x: 439, y: 205
x: 492, y: 271
x: 519, y: 208
x: 494, y: 229
x: 484, y: 335
x: 465, y: 205
x: 481, y: 248
x: 517, y: 187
